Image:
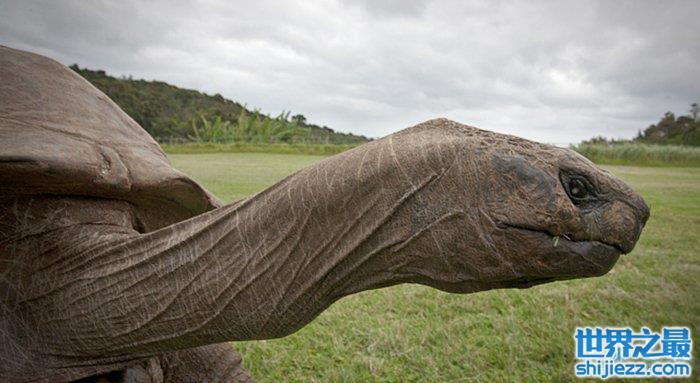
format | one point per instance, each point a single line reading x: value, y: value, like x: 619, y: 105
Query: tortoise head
x: 559, y: 216
x: 531, y: 213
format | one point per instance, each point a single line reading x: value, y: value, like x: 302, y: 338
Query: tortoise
x: 117, y: 267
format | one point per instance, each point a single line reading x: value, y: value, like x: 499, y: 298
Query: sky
x: 555, y: 71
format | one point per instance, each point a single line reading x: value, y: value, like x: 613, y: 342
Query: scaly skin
x: 441, y: 204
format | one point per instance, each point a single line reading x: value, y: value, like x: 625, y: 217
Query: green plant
x: 217, y: 130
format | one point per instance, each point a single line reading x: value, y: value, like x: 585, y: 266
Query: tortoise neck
x: 256, y: 269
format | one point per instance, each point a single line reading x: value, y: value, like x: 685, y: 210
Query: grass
x: 412, y: 333
x: 232, y: 176
x: 641, y: 154
x: 207, y: 147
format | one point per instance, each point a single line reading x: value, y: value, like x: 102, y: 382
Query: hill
x: 173, y: 114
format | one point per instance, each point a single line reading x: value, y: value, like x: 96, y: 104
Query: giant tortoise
x: 116, y: 267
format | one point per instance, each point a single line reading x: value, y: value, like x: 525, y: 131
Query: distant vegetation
x: 670, y: 130
x: 640, y: 154
x: 174, y: 115
x: 683, y: 130
x: 673, y: 141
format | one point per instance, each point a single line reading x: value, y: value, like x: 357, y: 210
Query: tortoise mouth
x: 559, y: 257
x: 561, y: 239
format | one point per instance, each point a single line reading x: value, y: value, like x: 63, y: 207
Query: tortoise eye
x: 577, y: 189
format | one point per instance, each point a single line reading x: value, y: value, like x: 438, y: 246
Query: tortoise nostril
x: 640, y: 207
x: 622, y: 222
x: 635, y: 232
x: 645, y: 212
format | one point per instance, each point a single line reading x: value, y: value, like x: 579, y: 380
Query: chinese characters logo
x: 621, y: 352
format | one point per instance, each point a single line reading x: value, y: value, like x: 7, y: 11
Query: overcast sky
x: 555, y: 71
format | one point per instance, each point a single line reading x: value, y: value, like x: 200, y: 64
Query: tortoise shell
x: 59, y: 135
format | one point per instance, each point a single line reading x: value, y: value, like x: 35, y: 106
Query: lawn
x: 414, y: 333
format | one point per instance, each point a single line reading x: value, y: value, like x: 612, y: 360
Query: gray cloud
x: 551, y: 71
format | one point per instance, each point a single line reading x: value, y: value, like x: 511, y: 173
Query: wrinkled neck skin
x: 378, y: 215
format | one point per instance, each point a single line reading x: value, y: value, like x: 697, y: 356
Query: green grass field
x: 414, y: 333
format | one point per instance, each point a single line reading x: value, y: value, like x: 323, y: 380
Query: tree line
x: 172, y: 114
x: 670, y: 130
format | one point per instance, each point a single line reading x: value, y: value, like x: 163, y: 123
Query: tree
x: 672, y: 130
x: 299, y: 119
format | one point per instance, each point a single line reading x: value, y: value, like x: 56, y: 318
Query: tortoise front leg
x: 216, y: 363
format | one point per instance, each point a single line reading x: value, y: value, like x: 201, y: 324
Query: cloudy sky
x: 555, y: 71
